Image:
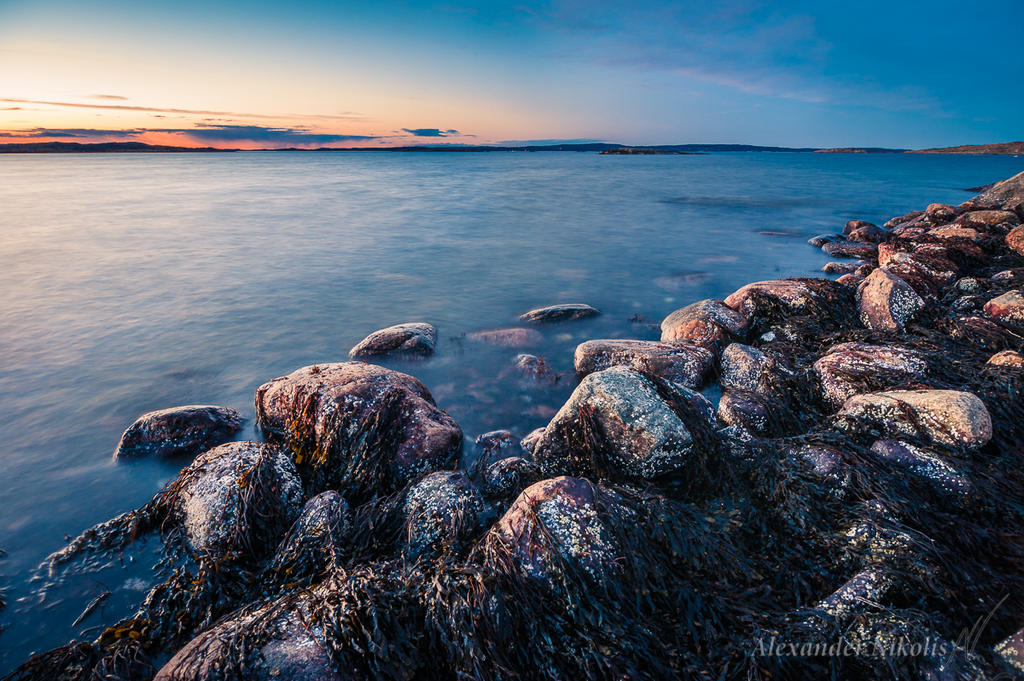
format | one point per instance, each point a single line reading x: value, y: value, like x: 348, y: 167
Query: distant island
x: 599, y: 147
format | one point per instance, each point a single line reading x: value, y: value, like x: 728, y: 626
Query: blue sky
x: 908, y: 74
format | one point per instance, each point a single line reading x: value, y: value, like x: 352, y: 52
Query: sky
x: 311, y: 73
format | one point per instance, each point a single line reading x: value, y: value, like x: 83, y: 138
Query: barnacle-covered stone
x: 559, y: 313
x: 825, y: 462
x: 871, y: 585
x: 1008, y: 307
x: 747, y: 368
x: 529, y: 443
x: 509, y: 476
x: 440, y: 510
x: 948, y: 417
x: 705, y: 323
x: 1011, y: 650
x: 317, y: 537
x: 925, y: 273
x: 886, y: 302
x: 850, y: 249
x: 178, y: 431
x: 412, y: 338
x: 1015, y: 240
x: 851, y: 368
x: 682, y: 363
x: 496, y: 444
x: 988, y: 218
x: 641, y: 428
x: 923, y: 464
x: 317, y: 410
x: 1007, y: 358
x: 746, y: 410
x: 795, y: 296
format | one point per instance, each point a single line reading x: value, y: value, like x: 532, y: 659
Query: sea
x: 134, y: 282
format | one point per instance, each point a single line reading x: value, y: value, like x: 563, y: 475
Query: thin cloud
x: 114, y: 97
x: 208, y: 134
x: 349, y: 116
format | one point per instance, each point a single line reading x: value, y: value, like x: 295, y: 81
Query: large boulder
x: 988, y: 218
x: 236, y: 498
x: 705, y: 323
x: 947, y: 417
x: 440, y: 510
x: 178, y: 431
x: 1008, y: 307
x: 925, y: 272
x: 559, y: 313
x: 682, y: 363
x: 795, y: 296
x: 413, y: 338
x: 633, y: 426
x: 886, y: 302
x: 847, y: 368
x: 335, y: 417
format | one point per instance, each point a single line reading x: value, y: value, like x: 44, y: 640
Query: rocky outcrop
x: 411, y: 339
x: 559, y: 313
x: 683, y: 363
x: 179, y: 431
x: 851, y: 368
x: 1009, y: 191
x: 886, y: 302
x: 948, y: 417
x: 1008, y: 307
x: 705, y: 323
x: 513, y: 337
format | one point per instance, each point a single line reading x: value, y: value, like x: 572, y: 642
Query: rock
x: 316, y: 539
x: 820, y: 240
x: 535, y: 369
x: 1008, y: 307
x: 683, y: 363
x: 851, y: 280
x: 235, y: 497
x: 296, y: 650
x: 178, y: 431
x: 887, y: 302
x: 948, y: 417
x: 705, y: 323
x: 826, y: 462
x: 849, y: 249
x: 513, y: 337
x: 854, y: 225
x: 1015, y: 240
x: 870, y: 234
x: 797, y: 296
x: 496, y: 443
x: 559, y: 313
x: 941, y: 211
x: 643, y: 435
x: 1007, y: 358
x: 509, y: 476
x: 1006, y: 191
x: 848, y: 367
x: 317, y: 410
x: 842, y: 267
x: 988, y: 218
x: 925, y: 274
x: 746, y: 368
x: 924, y: 464
x: 870, y: 585
x: 529, y: 443
x: 957, y: 233
x: 747, y: 410
x: 968, y: 285
x: 441, y: 509
x: 556, y: 526
x: 1010, y: 277
x: 413, y: 338
x: 1011, y: 649
x: 903, y: 219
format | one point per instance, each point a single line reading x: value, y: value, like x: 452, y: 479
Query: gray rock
x: 797, y: 296
x: 1008, y: 191
x: 412, y: 338
x: 886, y: 302
x: 846, y: 368
x: 746, y: 410
x: 559, y: 313
x: 178, y: 431
x: 316, y: 540
x: 510, y: 476
x: 705, y: 323
x: 682, y: 363
x: 746, y: 368
x: 820, y: 240
x: 849, y: 249
x: 513, y: 337
x: 948, y: 417
x: 1008, y: 307
x: 441, y: 510
x: 843, y: 267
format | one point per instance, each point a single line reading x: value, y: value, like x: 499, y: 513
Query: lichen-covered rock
x: 1011, y: 650
x: 1015, y: 240
x: 529, y: 443
x: 1008, y: 307
x: 797, y: 296
x: 513, y: 337
x: 744, y: 367
x: 1010, y: 190
x: 555, y: 526
x: 850, y: 249
x: 639, y: 429
x: 941, y: 211
x: 329, y: 413
x: 510, y: 476
x: 412, y: 338
x: 746, y: 410
x: 988, y: 218
x: 851, y: 280
x: 924, y: 273
x: 1007, y: 358
x: 441, y: 510
x: 316, y: 540
x: 534, y: 369
x: 496, y: 444
x: 924, y: 464
x: 682, y: 363
x: 559, y: 313
x: 957, y: 233
x: 704, y: 323
x: 948, y: 417
x: 887, y: 302
x: 178, y: 431
x: 236, y: 497
x: 849, y: 368
x: 903, y: 219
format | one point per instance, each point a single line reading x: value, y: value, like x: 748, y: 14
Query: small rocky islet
x: 859, y: 484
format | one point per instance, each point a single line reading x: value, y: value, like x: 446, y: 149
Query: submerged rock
x: 820, y: 240
x: 559, y: 313
x: 1007, y: 358
x: 1008, y: 307
x: 495, y: 443
x: 705, y: 323
x: 178, y: 431
x: 329, y: 413
x: 509, y: 476
x: 535, y: 369
x: 441, y: 510
x: 637, y: 428
x: 948, y: 417
x: 529, y: 443
x: 847, y: 368
x: 682, y: 363
x: 513, y: 337
x: 886, y: 302
x: 412, y: 338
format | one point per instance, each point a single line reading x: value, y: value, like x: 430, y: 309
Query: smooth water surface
x: 137, y: 282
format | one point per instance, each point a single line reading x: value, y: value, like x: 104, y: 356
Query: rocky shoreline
x: 858, y: 486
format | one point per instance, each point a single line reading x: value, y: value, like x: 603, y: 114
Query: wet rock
x: 820, y: 240
x: 529, y: 443
x: 903, y: 219
x: 968, y: 285
x: 747, y: 410
x: 556, y: 526
x: 513, y: 337
x: 797, y: 296
x: 1008, y: 307
x: 871, y: 585
x: 851, y: 280
x: 926, y: 274
x: 1015, y: 240
x: 1010, y: 277
x: 497, y: 444
x: 948, y: 417
x: 235, y: 497
x: 508, y: 477
x: 643, y: 433
x: 1006, y: 191
x: 316, y: 540
x: 854, y: 225
x: 957, y: 233
x: 413, y: 338
x: 842, y: 267
x: 178, y: 431
x: 535, y: 369
x: 886, y: 302
x: 683, y: 363
x: 746, y: 368
x: 441, y: 509
x: 870, y: 234
x: 1007, y: 358
x: 849, y: 368
x: 704, y: 323
x: 826, y: 462
x: 559, y: 313
x: 924, y: 464
x: 322, y: 411
x: 1011, y: 650
x: 850, y: 249
x: 988, y: 218
x: 941, y: 211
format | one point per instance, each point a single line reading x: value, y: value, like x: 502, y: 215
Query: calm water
x: 136, y: 282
